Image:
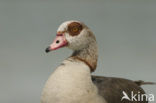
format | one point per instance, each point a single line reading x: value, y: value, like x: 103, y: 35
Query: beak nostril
x: 57, y: 41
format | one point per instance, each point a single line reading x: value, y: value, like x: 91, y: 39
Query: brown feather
x: 74, y: 25
x: 111, y: 89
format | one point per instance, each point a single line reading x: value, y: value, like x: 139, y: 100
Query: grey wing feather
x: 111, y: 89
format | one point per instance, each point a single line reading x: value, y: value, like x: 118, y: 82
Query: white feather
x: 71, y: 83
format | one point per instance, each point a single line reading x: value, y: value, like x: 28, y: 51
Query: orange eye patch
x: 74, y: 28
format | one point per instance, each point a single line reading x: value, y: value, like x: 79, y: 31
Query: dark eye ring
x: 75, y: 29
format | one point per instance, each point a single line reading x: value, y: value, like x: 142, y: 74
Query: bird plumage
x: 111, y: 88
x: 72, y: 82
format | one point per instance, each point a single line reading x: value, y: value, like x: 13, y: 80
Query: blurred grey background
x: 125, y: 31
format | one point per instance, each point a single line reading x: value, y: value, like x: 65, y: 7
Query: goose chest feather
x: 71, y: 83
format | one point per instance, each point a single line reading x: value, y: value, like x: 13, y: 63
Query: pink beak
x: 58, y: 42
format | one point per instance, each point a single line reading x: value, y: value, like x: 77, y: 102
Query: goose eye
x: 75, y: 29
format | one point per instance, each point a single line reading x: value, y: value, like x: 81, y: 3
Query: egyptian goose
x: 72, y: 82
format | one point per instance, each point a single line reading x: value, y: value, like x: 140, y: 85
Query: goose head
x: 78, y: 37
x: 72, y: 34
